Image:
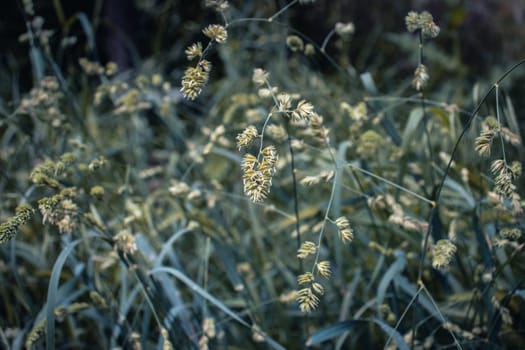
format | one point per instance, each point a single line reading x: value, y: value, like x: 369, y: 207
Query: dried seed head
x: 111, y: 68
x: 510, y: 233
x: 429, y: 29
x: 218, y: 5
x: 179, y: 188
x: 8, y: 230
x: 319, y: 132
x: 195, y: 50
x: 303, y: 111
x: 412, y: 21
x: 205, y: 65
x: 288, y: 297
x: 323, y: 268
x: 216, y: 32
x: 310, y: 180
x: 369, y: 143
x: 345, y: 232
x: 97, y: 192
x: 504, y: 177
x: 295, y: 43
x: 247, y: 136
x: 29, y: 7
x: 497, y: 166
x: 420, y: 77
x: 307, y: 248
x: 249, y: 161
x: 270, y: 157
x: 208, y: 326
x: 318, y: 288
x: 442, y: 253
x: 357, y: 112
x: 483, y: 142
x: 125, y: 242
x: 510, y: 137
x: 257, y: 177
x: 309, y: 50
x: 90, y: 67
x: 260, y: 76
x: 308, y: 301
x: 423, y: 21
x: 284, y: 102
x: 193, y: 81
x: 305, y: 278
x: 344, y: 29
x: 515, y: 169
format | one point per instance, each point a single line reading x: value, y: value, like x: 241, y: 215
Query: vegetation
x: 247, y: 186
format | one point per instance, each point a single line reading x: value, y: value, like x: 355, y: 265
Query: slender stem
x: 424, y: 109
x: 393, y: 184
x: 224, y: 18
x: 266, y: 121
x: 59, y: 12
x: 405, y: 312
x: 295, y: 194
x: 326, y: 39
x: 292, y: 165
x: 326, y: 218
x: 499, y: 126
x: 415, y: 99
x: 282, y: 10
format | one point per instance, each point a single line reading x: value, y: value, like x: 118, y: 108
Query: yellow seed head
x: 323, y: 268
x: 216, y: 32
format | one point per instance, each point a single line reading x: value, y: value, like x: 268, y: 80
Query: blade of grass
x: 52, y: 293
x: 386, y: 121
x: 3, y: 340
x: 411, y: 127
x: 394, y: 270
x: 339, y: 328
x: 216, y: 302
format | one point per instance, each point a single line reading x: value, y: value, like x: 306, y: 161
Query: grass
x: 263, y: 193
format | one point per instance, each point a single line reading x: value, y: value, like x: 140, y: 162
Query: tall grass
x: 264, y: 193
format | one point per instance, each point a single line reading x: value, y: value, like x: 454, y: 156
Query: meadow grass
x: 264, y: 193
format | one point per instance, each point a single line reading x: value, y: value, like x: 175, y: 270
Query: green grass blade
x: 386, y: 122
x: 52, y: 293
x: 339, y: 328
x: 37, y: 62
x: 3, y: 340
x: 394, y: 270
x: 414, y: 119
x: 87, y: 28
x: 166, y: 247
x: 216, y: 302
x: 332, y: 331
x: 411, y: 289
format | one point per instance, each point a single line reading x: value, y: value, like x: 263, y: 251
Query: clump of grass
x: 285, y: 206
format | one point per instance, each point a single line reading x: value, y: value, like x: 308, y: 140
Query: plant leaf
x: 394, y: 270
x: 52, y: 293
x: 197, y: 289
x: 339, y: 328
x: 410, y: 129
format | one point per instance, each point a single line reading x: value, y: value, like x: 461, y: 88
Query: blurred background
x: 478, y: 39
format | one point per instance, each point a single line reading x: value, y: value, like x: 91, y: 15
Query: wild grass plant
x: 265, y: 193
